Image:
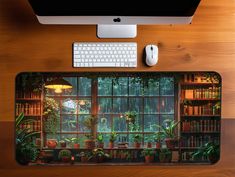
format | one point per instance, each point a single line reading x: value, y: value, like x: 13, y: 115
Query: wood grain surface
x: 208, y: 44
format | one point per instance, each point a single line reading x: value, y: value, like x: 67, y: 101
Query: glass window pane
x: 150, y: 122
x: 167, y: 105
x: 104, y: 86
x: 84, y: 86
x: 151, y: 87
x: 120, y: 86
x: 135, y: 86
x: 105, y: 105
x: 151, y: 105
x: 119, y: 124
x: 104, y: 123
x: 136, y: 104
x: 120, y: 105
x: 69, y: 123
x: 73, y: 82
x: 84, y: 106
x: 69, y: 106
x: 167, y: 86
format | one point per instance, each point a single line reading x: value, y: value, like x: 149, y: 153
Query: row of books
x: 28, y: 109
x: 206, y: 109
x: 28, y: 94
x: 32, y: 126
x: 200, y: 126
x: 199, y: 78
x: 201, y: 93
x: 187, y: 156
x: 198, y: 141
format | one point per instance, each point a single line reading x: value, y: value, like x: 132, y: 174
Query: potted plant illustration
x: 169, y: 131
x: 165, y: 155
x: 159, y: 136
x: 130, y: 116
x: 51, y: 143
x: 64, y: 155
x: 148, y: 140
x: 137, y: 140
x: 100, y: 140
x: 210, y: 150
x: 62, y: 143
x: 26, y: 150
x: 84, y: 156
x: 148, y: 154
x: 98, y: 155
x: 73, y: 142
x: 90, y: 123
x: 112, y: 139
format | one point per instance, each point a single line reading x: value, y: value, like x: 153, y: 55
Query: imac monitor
x: 115, y: 19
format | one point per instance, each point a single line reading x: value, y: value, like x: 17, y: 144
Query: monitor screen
x: 119, y: 8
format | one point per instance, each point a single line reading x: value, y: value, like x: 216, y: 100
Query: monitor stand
x: 116, y: 31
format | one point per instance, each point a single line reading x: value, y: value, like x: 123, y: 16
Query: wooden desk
x: 206, y: 45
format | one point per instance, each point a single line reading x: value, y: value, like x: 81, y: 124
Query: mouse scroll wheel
x: 151, y: 48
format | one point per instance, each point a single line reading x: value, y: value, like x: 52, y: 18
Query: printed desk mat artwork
x: 147, y: 118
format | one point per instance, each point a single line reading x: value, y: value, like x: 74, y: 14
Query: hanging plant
x: 50, y: 115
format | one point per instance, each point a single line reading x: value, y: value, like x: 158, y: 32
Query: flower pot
x: 51, y: 143
x: 76, y: 145
x: 158, y: 145
x: 149, y: 145
x: 170, y: 143
x: 111, y: 145
x: 63, y: 144
x: 65, y: 159
x: 89, y: 144
x: 100, y: 145
x: 137, y: 145
x: 149, y: 159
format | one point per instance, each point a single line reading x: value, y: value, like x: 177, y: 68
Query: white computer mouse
x: 151, y: 54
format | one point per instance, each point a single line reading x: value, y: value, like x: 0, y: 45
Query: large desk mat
x: 117, y: 118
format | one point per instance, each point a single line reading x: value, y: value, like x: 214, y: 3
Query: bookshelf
x: 200, y: 113
x: 30, y: 103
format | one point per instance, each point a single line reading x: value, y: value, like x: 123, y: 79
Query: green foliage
x: 50, y: 114
x: 159, y: 136
x: 210, y: 150
x: 98, y: 153
x: 90, y: 122
x: 113, y: 137
x: 137, y: 138
x: 100, y: 138
x: 169, y: 129
x: 64, y: 153
x: 26, y: 150
x: 72, y: 140
x: 130, y: 116
x: 148, y: 152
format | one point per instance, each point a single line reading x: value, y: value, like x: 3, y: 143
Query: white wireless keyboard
x: 105, y: 54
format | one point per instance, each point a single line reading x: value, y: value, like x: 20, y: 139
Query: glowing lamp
x: 58, y: 85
